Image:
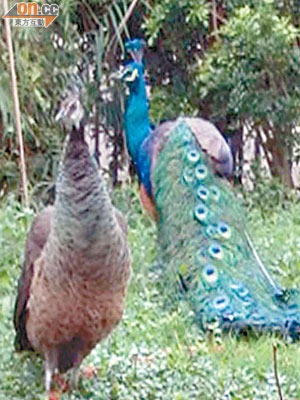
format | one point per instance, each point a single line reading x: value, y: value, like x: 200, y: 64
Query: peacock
x: 73, y: 285
x: 204, y: 247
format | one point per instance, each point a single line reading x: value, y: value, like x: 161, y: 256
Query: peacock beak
x: 126, y: 74
x: 131, y: 76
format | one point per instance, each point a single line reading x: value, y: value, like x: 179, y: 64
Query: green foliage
x: 237, y: 66
x: 175, y: 30
x: 164, y: 106
x: 43, y: 74
x: 157, y: 352
x: 249, y: 69
x: 168, y: 15
x: 77, y: 53
x: 268, y: 196
x: 14, y: 222
x: 274, y: 214
x: 254, y: 72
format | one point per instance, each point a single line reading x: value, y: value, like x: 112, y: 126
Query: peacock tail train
x: 204, y: 247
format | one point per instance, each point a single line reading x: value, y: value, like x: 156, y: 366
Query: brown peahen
x: 206, y: 252
x: 73, y: 286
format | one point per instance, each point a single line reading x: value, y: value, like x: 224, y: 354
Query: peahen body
x: 205, y: 248
x: 72, y: 290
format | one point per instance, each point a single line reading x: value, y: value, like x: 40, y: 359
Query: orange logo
x: 33, y: 14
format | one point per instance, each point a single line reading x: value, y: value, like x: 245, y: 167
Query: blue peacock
x: 204, y: 246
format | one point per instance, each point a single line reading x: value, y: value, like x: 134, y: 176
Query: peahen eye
x: 201, y: 212
x: 215, y: 250
x: 210, y: 273
x: 202, y: 193
x: 193, y: 156
x: 201, y: 172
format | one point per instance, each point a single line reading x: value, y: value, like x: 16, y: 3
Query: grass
x: 157, y: 352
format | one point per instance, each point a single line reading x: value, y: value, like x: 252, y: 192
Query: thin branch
x: 276, y: 372
x: 16, y: 106
x: 96, y: 133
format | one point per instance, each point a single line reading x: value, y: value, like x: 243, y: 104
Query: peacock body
x: 203, y: 242
x: 73, y: 286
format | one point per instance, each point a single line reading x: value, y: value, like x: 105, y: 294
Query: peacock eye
x: 240, y: 289
x: 201, y: 212
x: 186, y: 139
x: 215, y: 193
x: 224, y: 230
x: 202, y: 193
x: 201, y: 257
x: 201, y: 172
x: 210, y: 273
x: 188, y: 176
x: 193, y: 156
x: 211, y: 230
x: 216, y: 251
x: 221, y: 302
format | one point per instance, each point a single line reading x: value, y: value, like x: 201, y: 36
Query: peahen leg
x: 50, y: 366
x: 75, y: 376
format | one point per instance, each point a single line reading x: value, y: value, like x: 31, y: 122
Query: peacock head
x: 135, y: 48
x: 132, y: 75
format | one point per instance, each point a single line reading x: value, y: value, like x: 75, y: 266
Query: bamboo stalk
x: 16, y: 107
x: 122, y: 23
x: 215, y: 24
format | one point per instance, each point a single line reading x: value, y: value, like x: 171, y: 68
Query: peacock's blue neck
x: 137, y: 123
x: 138, y: 128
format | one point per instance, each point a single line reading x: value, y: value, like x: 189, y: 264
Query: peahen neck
x: 136, y: 119
x: 83, y: 210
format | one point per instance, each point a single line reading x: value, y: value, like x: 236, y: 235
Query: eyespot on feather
x: 193, y: 156
x: 202, y: 193
x: 201, y: 212
x: 215, y: 251
x: 210, y: 273
x: 201, y: 172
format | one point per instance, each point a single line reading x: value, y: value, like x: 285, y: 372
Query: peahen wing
x: 36, y: 240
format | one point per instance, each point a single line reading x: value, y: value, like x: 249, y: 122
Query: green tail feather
x: 204, y: 245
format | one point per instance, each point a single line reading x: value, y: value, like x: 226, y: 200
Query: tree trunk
x: 279, y: 163
x: 237, y: 149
